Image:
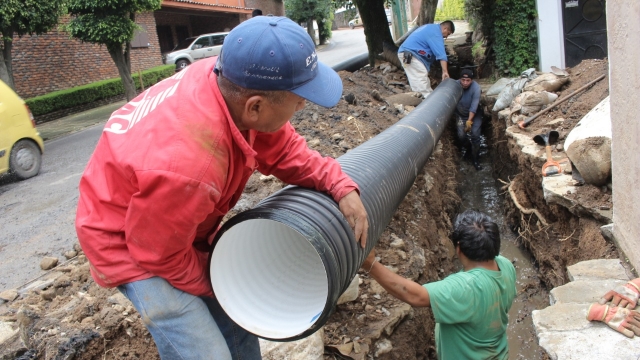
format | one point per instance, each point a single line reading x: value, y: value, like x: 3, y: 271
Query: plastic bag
x: 509, y: 92
x: 538, y: 98
x: 498, y: 86
x: 546, y: 82
x: 513, y: 88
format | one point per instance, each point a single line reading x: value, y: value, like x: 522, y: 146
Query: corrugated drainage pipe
x: 279, y: 268
x: 353, y: 64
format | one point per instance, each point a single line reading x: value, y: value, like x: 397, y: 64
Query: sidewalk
x: 53, y: 129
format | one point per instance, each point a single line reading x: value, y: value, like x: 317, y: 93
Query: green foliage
x: 108, y: 22
x: 515, y: 35
x: 476, y: 49
x: 450, y: 10
x: 104, y: 89
x: 324, y: 26
x: 28, y: 16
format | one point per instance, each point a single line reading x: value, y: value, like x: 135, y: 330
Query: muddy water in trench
x: 481, y: 192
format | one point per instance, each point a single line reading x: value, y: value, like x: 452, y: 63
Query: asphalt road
x: 37, y: 215
x: 343, y: 45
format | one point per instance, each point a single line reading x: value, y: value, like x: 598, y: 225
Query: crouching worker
x: 470, y: 307
x: 171, y: 163
x: 469, y: 115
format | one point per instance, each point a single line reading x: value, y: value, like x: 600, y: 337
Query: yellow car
x: 21, y: 146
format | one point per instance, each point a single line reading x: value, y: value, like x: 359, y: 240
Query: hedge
x: 104, y: 89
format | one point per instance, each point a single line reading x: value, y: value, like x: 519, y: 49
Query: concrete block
x: 596, y: 343
x: 597, y: 269
x: 555, y: 188
x: 585, y: 292
x: 561, y: 317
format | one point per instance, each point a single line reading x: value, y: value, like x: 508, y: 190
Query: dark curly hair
x: 477, y: 235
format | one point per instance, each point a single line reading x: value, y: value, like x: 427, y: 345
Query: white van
x: 196, y: 48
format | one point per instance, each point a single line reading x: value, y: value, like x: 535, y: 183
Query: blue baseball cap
x: 274, y: 53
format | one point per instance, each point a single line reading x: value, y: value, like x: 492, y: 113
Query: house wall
x: 53, y: 61
x: 623, y: 29
x: 549, y: 23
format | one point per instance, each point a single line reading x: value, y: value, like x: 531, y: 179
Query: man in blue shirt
x: 469, y: 116
x: 424, y: 46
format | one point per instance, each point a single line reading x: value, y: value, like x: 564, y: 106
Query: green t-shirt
x: 470, y: 308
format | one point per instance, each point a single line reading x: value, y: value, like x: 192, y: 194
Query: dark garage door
x: 585, y: 30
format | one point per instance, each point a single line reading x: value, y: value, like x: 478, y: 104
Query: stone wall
x: 623, y: 30
x: 53, y: 61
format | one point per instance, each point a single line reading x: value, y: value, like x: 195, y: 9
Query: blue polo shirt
x: 427, y: 44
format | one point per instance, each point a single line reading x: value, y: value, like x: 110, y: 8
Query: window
x: 218, y: 39
x: 203, y: 42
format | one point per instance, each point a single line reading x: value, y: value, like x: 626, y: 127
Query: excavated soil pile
x: 557, y: 238
x: 70, y: 317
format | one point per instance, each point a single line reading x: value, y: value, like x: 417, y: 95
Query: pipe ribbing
x: 278, y: 269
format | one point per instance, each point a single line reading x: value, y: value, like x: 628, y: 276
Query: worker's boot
x: 475, y: 155
x: 465, y: 145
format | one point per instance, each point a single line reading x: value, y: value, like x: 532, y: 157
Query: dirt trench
x: 66, y: 315
x: 568, y: 238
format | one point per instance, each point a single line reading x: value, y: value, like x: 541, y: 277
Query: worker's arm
x: 445, y: 69
x: 401, y: 288
x: 471, y: 115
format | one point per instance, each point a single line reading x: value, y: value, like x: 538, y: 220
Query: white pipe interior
x: 268, y: 278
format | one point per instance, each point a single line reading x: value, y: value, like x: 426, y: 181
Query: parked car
x: 195, y: 48
x: 358, y: 22
x: 21, y: 146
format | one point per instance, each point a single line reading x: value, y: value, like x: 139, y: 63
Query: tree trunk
x: 427, y: 12
x: 311, y: 30
x: 376, y: 26
x: 6, y: 70
x: 123, y: 63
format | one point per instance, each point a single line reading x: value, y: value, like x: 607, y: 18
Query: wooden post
x: 141, y: 83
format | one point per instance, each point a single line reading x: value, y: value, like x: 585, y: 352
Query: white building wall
x: 623, y: 36
x: 550, y: 34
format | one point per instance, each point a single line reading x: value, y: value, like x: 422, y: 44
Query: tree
x: 110, y: 23
x: 24, y: 17
x: 376, y: 26
x: 308, y: 11
x: 427, y: 13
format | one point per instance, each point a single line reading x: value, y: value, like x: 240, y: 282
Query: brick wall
x: 275, y: 7
x: 53, y: 61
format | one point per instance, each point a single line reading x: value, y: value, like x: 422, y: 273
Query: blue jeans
x: 476, y: 128
x: 185, y: 326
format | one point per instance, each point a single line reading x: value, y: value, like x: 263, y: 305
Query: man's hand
x: 622, y: 320
x: 445, y: 75
x: 352, y: 208
x: 624, y: 295
x: 467, y: 125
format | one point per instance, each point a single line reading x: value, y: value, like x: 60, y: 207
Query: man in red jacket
x: 173, y: 161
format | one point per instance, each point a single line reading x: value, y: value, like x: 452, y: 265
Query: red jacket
x: 168, y: 166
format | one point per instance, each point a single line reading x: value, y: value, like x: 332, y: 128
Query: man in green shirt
x: 470, y: 307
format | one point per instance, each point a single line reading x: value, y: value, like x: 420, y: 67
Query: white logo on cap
x: 311, y: 58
